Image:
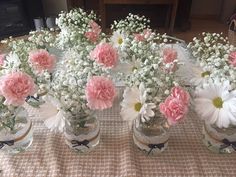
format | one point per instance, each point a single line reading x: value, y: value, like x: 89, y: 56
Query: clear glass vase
x: 219, y: 140
x: 152, y: 137
x: 82, y: 132
x: 16, y: 132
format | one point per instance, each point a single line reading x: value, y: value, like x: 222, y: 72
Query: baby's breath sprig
x: 131, y: 24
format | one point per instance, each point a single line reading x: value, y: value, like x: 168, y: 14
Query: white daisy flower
x: 200, y: 75
x: 118, y: 39
x: 128, y: 67
x: 216, y: 104
x: 134, y: 104
x: 56, y: 121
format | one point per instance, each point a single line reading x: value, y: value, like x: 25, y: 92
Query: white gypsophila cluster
x: 137, y: 54
x: 212, y: 55
x: 43, y: 38
x: 73, y: 25
x: 147, y: 48
x: 157, y: 82
x: 129, y: 48
x: 70, y: 78
x: 131, y: 24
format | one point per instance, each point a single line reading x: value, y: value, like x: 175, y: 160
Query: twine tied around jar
x: 12, y: 142
x: 152, y: 146
x: 85, y: 142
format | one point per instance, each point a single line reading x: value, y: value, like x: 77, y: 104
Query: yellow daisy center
x: 218, y: 102
x: 120, y: 41
x: 206, y: 73
x: 137, y: 106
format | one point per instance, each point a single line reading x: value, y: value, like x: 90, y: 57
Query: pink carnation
x: 232, y: 58
x: 142, y: 36
x: 100, y: 93
x: 95, y: 27
x: 93, y: 33
x: 105, y: 54
x: 139, y: 37
x: 169, y: 55
x: 2, y: 57
x: 92, y: 36
x: 173, y: 109
x: 41, y: 60
x: 147, y: 33
x: 15, y: 87
x: 181, y: 94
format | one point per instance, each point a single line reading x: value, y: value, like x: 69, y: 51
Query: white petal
x: 206, y: 94
x: 215, y: 116
x: 149, y: 113
x: 128, y: 114
x: 201, y: 103
x: 223, y: 120
x: 231, y: 111
x: 56, y: 122
x: 151, y: 105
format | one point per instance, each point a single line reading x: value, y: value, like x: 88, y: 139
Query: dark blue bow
x: 228, y: 143
x: 32, y: 97
x: 154, y: 146
x: 80, y: 143
x: 9, y: 143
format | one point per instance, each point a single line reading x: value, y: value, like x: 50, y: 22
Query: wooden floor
x: 197, y: 27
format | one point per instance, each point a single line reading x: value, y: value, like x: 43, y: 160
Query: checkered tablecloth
x: 116, y: 154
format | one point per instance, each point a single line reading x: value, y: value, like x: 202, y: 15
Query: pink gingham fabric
x: 116, y: 155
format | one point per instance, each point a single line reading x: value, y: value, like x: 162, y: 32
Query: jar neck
x: 214, y: 128
x: 158, y: 119
x: 80, y: 120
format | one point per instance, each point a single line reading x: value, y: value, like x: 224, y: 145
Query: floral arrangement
x: 24, y: 76
x: 81, y: 82
x: 148, y: 72
x: 80, y: 88
x: 214, y: 81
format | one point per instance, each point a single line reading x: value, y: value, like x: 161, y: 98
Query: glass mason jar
x: 151, y: 137
x: 16, y: 133
x: 82, y: 132
x: 219, y: 140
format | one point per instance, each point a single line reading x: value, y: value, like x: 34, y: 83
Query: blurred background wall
x: 54, y: 7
